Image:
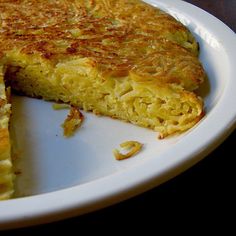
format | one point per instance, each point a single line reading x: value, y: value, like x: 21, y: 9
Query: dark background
x: 200, y: 200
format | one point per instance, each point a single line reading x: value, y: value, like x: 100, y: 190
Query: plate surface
x: 66, y: 177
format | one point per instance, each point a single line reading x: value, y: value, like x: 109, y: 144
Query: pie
x: 119, y: 58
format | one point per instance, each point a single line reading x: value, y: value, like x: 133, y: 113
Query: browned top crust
x: 119, y: 36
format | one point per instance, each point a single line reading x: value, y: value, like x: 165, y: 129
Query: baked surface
x: 119, y: 58
x: 124, y: 59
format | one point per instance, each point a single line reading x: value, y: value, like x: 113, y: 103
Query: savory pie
x: 120, y: 58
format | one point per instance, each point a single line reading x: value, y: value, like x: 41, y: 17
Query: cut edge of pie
x: 6, y: 170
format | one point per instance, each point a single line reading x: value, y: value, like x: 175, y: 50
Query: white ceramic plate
x: 65, y: 177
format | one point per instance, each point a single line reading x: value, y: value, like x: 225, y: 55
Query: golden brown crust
x: 118, y: 36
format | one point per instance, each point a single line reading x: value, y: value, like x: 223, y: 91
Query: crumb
x: 72, y: 122
x: 133, y: 146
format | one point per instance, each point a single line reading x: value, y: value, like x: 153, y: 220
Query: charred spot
x: 75, y: 44
x: 71, y: 50
x: 47, y: 55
